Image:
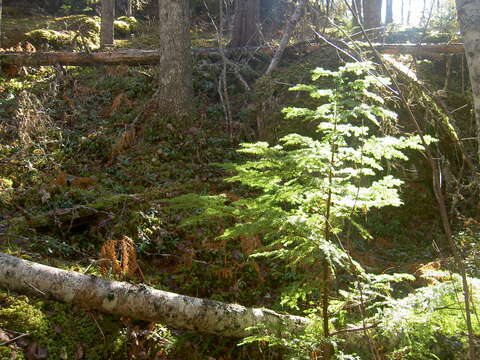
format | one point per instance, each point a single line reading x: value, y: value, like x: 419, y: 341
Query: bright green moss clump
x: 50, y: 38
x: 68, y: 32
x: 61, y: 329
x: 125, y: 25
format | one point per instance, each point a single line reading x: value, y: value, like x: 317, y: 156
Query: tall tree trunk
x: 469, y: 20
x: 175, y: 68
x: 106, y: 30
x: 1, y: 12
x: 389, y: 12
x: 372, y: 16
x: 357, y: 8
x: 245, y: 24
x: 402, y: 16
x: 129, y: 7
x: 409, y: 12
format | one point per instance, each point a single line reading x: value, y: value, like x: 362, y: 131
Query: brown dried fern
x: 120, y: 257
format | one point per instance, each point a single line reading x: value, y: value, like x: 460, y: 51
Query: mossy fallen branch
x: 67, y: 217
x: 149, y: 57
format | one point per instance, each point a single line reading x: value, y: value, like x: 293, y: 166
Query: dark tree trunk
x: 357, y: 12
x: 409, y: 11
x: 468, y: 13
x: 372, y: 15
x: 245, y: 25
x: 108, y: 15
x: 129, y: 8
x: 1, y: 9
x: 402, y: 17
x: 389, y: 13
x: 175, y: 80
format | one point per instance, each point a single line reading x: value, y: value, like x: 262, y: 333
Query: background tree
x: 357, y: 8
x: 469, y: 20
x: 1, y: 9
x: 106, y: 30
x: 245, y: 24
x: 372, y: 14
x: 175, y: 72
x: 389, y: 12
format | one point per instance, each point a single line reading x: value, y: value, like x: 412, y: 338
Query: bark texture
x: 106, y: 28
x: 175, y: 72
x: 469, y: 20
x: 389, y: 12
x: 357, y: 12
x: 1, y: 13
x: 129, y: 10
x: 372, y: 15
x: 245, y: 25
x: 139, y: 302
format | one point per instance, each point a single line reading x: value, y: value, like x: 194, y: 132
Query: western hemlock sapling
x: 309, y: 187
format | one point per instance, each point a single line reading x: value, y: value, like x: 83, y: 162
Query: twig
x: 34, y: 288
x: 98, y: 326
x: 14, y: 339
x: 363, y: 328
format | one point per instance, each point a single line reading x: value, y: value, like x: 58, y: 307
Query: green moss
x: 125, y: 26
x: 19, y: 315
x: 70, y: 31
x: 129, y: 19
x: 63, y: 328
x: 50, y: 38
x: 7, y: 354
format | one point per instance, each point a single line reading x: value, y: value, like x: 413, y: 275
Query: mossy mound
x: 125, y: 26
x: 67, y: 32
x: 50, y: 38
x: 83, y: 23
x: 62, y: 331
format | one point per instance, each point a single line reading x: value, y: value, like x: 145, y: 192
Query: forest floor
x: 79, y: 136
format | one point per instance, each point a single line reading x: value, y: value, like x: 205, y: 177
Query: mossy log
x: 149, y: 57
x: 421, y: 50
x: 140, y: 301
x: 67, y: 217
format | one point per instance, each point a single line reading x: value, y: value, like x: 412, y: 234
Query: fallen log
x: 140, y: 301
x: 149, y: 57
x: 421, y: 50
x: 68, y: 217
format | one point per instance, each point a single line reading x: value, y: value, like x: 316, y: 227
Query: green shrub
x: 429, y: 323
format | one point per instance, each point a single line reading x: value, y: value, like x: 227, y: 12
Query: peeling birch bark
x: 140, y: 301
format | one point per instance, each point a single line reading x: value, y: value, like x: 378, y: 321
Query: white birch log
x: 140, y: 301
